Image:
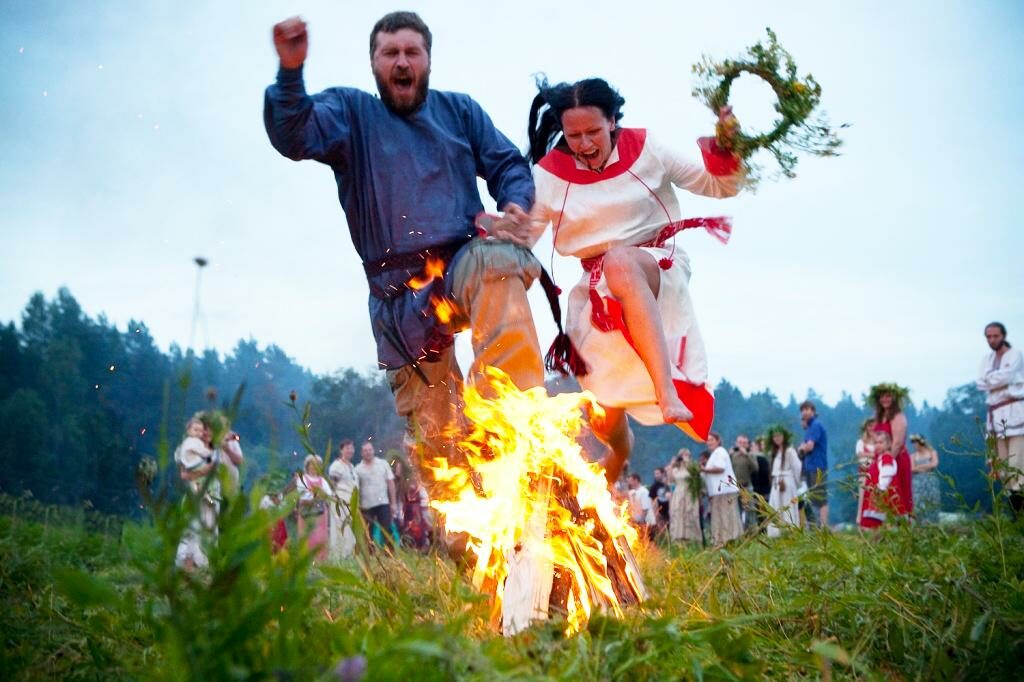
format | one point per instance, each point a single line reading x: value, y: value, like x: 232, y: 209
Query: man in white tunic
x: 723, y: 493
x: 1002, y: 377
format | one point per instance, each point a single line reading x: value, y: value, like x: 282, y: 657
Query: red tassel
x: 563, y: 358
x: 665, y: 263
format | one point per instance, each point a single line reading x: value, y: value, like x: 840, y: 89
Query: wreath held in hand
x: 795, y: 130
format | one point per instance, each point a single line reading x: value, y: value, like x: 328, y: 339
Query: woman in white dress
x: 608, y: 194
x: 342, y: 541
x: 785, y: 475
x: 684, y: 507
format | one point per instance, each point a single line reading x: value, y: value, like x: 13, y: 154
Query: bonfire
x: 544, y: 535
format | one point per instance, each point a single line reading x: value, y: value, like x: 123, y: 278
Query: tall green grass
x: 84, y: 600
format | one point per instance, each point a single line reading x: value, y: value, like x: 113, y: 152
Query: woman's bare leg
x: 613, y: 430
x: 633, y: 278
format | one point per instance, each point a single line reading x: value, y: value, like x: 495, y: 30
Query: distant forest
x: 81, y: 401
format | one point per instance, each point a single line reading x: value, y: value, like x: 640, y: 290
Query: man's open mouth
x: 402, y: 83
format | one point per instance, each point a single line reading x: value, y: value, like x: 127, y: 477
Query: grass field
x: 88, y: 597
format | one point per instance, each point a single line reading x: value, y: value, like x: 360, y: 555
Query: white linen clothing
x: 343, y: 478
x: 341, y: 541
x: 192, y: 454
x: 1003, y: 380
x: 307, y: 485
x: 590, y: 219
x: 783, y: 497
x: 640, y: 508
x: 864, y: 452
x: 373, y: 483
x: 723, y: 483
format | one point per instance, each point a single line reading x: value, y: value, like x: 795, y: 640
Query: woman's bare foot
x: 674, y: 411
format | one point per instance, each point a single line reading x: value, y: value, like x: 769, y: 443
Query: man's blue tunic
x: 406, y: 184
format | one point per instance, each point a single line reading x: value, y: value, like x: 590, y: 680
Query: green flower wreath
x: 900, y: 395
x: 787, y: 437
x: 797, y: 100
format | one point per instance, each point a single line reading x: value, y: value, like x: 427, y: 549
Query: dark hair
x: 1002, y: 330
x: 634, y: 476
x: 808, y: 403
x: 395, y: 22
x: 717, y: 436
x: 554, y: 100
x: 344, y: 442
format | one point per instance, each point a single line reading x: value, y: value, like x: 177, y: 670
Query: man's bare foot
x: 673, y: 411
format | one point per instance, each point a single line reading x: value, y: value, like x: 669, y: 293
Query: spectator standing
x: 744, y: 466
x: 814, y: 451
x: 684, y: 507
x: 785, y: 476
x: 344, y: 481
x: 377, y: 495
x: 1002, y: 378
x: 660, y: 492
x: 723, y: 493
x: 761, y: 479
x: 314, y: 494
x: 864, y: 451
x: 641, y: 511
x: 888, y: 401
x: 885, y: 492
x: 925, y: 484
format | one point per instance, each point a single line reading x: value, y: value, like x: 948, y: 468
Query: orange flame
x: 444, y: 308
x: 432, y: 269
x: 532, y: 505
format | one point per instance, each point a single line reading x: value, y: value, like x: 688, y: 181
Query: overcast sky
x: 133, y: 141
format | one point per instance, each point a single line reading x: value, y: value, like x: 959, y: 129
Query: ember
x: 545, y: 536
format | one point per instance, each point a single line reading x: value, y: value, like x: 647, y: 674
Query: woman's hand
x: 513, y: 226
x: 728, y: 125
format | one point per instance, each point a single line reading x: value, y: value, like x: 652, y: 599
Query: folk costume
x: 1002, y: 378
x: 342, y: 540
x: 881, y: 497
x: 631, y: 202
x: 684, y: 508
x: 314, y: 493
x: 191, y: 456
x: 889, y: 486
x: 408, y: 187
x: 783, y: 497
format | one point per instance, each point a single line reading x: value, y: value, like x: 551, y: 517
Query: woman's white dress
x: 785, y: 470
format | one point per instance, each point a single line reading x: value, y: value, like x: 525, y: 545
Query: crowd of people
x: 774, y: 482
x: 407, y: 161
x: 392, y: 501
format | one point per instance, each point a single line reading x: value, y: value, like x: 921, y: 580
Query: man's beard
x: 402, y: 109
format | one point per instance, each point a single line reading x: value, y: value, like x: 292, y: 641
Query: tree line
x: 82, y: 401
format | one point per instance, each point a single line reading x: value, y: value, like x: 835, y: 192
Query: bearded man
x: 406, y: 166
x: 1002, y: 378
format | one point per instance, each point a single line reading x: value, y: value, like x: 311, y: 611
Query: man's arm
x: 507, y: 174
x: 300, y: 126
x: 813, y: 436
x: 1009, y: 372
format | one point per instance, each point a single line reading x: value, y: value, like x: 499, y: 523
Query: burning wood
x: 544, y: 534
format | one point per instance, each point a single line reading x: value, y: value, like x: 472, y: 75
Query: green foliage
x: 797, y: 100
x: 929, y: 602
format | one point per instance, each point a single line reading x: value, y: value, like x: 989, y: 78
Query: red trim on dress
x: 630, y: 143
x: 717, y: 161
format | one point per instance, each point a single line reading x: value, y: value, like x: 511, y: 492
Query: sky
x: 133, y: 142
